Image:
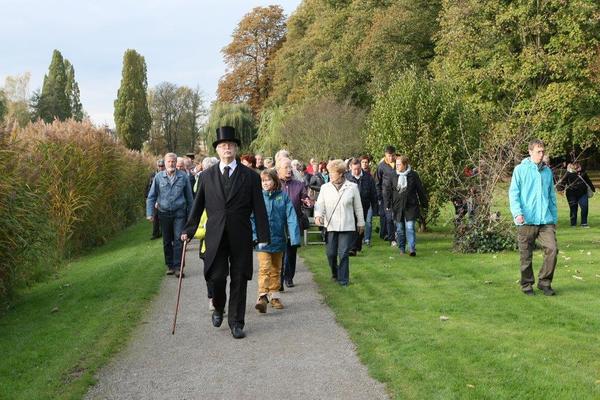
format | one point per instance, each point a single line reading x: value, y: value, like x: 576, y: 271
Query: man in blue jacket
x: 533, y: 207
x: 172, y: 192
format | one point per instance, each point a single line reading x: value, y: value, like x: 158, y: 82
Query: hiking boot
x: 548, y: 291
x: 529, y: 292
x: 276, y: 303
x: 261, y: 304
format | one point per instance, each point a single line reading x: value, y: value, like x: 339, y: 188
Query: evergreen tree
x: 53, y: 101
x: 132, y: 117
x: 72, y: 91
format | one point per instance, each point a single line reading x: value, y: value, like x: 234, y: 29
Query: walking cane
x: 179, y: 287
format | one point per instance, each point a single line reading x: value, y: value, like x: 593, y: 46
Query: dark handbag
x: 304, y: 222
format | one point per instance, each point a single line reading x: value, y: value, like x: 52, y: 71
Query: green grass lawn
x: 58, y: 333
x: 497, y: 343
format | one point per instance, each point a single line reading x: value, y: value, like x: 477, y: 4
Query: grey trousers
x: 546, y: 237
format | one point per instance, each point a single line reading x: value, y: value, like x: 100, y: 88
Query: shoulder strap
x: 335, y: 207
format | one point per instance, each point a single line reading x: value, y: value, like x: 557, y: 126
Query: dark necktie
x: 226, y: 180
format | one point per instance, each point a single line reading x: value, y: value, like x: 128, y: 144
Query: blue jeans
x: 581, y: 202
x: 338, y: 245
x: 405, y: 232
x: 369, y: 225
x: 171, y: 225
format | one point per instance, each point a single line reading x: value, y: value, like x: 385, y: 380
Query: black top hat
x: 226, y: 134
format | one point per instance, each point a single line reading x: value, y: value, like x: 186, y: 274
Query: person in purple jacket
x: 297, y: 193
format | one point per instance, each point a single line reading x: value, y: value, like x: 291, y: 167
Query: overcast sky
x: 180, y: 40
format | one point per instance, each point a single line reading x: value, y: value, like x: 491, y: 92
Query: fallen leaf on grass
x: 577, y: 277
x: 444, y: 318
x: 54, y: 310
x: 470, y: 386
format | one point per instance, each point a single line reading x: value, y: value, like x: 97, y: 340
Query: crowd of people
x: 248, y: 202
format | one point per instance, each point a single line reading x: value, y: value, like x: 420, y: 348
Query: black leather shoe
x: 237, y: 332
x: 217, y: 318
x: 529, y: 292
x: 289, y: 283
x: 548, y: 291
x: 413, y: 254
x: 281, y: 288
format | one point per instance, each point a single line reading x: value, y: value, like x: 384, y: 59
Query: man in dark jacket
x: 368, y: 196
x: 229, y: 192
x: 386, y: 170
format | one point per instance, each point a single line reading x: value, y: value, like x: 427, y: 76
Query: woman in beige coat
x: 339, y: 210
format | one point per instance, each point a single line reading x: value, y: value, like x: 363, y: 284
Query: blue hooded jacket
x: 532, y: 194
x: 281, y: 216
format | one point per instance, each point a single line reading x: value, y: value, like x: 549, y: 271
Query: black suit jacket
x: 230, y: 215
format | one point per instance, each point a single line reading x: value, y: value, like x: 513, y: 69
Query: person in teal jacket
x: 533, y: 206
x: 283, y: 225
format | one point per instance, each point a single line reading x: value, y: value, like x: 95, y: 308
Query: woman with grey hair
x: 339, y: 210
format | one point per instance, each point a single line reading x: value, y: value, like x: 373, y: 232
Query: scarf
x: 402, y: 182
x: 339, y: 184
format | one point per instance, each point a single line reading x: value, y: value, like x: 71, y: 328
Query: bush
x: 428, y: 122
x: 473, y: 237
x: 66, y: 186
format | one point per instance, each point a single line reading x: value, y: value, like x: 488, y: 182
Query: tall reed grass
x: 65, y: 187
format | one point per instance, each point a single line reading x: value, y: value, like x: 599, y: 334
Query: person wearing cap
x: 230, y: 193
x: 160, y: 166
x: 171, y: 192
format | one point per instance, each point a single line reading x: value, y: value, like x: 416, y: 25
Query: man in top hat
x: 229, y: 192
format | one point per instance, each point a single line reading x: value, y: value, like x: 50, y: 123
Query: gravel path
x: 299, y: 352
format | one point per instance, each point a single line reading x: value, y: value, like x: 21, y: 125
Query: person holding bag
x: 578, y: 188
x: 339, y: 209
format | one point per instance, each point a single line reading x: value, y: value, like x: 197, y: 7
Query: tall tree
x: 132, y: 116
x: 53, y: 100
x: 72, y: 91
x: 176, y: 112
x: 531, y: 60
x: 255, y: 40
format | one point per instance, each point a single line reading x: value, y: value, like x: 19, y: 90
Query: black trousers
x: 228, y: 262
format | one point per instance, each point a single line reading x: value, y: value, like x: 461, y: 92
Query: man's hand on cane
x: 184, y: 237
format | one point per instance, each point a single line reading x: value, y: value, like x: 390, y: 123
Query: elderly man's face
x: 356, y: 169
x: 180, y: 165
x: 227, y: 150
x: 170, y: 164
x: 284, y: 170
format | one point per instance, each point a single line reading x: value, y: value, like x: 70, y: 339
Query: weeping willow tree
x: 270, y: 131
x: 238, y: 116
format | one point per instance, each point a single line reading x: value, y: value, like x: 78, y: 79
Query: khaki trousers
x: 546, y: 237
x: 269, y: 271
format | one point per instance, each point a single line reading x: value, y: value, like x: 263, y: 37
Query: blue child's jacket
x: 283, y: 222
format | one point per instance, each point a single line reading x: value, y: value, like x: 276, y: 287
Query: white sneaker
x: 211, y: 307
x: 394, y: 244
